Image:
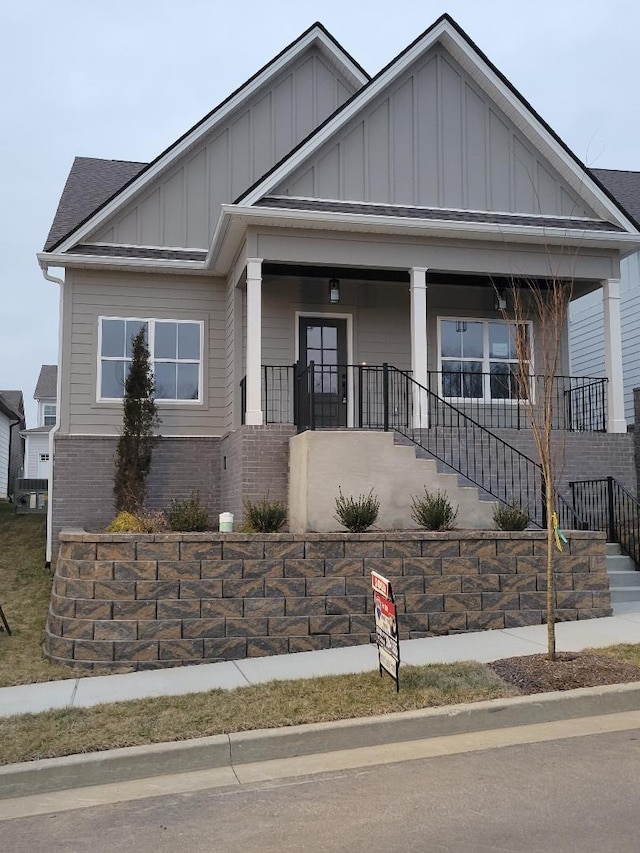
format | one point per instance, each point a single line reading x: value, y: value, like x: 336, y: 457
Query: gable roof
x: 11, y: 405
x: 46, y: 386
x: 454, y: 39
x: 90, y: 183
x: 63, y: 239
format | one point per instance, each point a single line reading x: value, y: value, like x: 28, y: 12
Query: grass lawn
x: 276, y: 704
x: 25, y: 587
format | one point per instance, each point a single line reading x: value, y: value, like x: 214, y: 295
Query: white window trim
x: 486, y: 360
x: 50, y: 414
x: 151, y: 321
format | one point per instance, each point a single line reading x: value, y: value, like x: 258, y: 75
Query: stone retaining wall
x: 149, y: 601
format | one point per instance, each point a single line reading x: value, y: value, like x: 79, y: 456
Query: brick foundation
x: 162, y: 600
x: 84, y: 469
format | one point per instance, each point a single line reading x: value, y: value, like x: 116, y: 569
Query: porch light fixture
x: 334, y: 291
x: 501, y: 300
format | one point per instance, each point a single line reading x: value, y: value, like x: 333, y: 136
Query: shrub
x: 263, y: 516
x: 434, y: 511
x: 509, y: 517
x: 128, y: 522
x: 137, y: 437
x: 189, y: 515
x: 357, y: 514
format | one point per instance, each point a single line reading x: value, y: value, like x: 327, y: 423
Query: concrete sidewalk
x: 485, y: 646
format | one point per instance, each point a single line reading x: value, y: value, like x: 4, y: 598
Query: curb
x: 138, y: 762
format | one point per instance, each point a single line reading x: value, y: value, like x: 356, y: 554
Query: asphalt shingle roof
x: 116, y: 251
x: 624, y: 186
x: 15, y: 400
x: 11, y: 405
x: 434, y: 213
x: 91, y: 183
x: 47, y: 383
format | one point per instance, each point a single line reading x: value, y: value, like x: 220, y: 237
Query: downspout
x: 11, y: 426
x: 45, y: 272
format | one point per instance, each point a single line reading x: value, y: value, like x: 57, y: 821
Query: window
x: 176, y: 356
x: 49, y: 414
x: 479, y: 359
x: 44, y: 457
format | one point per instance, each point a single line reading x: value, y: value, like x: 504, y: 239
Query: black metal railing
x: 606, y: 505
x: 501, y: 400
x: 495, y: 401
x: 277, y: 396
x: 464, y: 445
x: 335, y: 396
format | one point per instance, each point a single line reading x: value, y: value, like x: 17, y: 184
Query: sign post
x: 386, y: 627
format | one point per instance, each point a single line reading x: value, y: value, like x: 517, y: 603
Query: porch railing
x: 494, y: 401
x: 606, y: 505
x: 464, y: 445
x: 500, y: 400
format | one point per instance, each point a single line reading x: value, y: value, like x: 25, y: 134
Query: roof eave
x: 104, y: 262
x: 236, y: 218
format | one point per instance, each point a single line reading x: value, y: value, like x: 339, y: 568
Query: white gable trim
x: 315, y: 36
x: 497, y: 90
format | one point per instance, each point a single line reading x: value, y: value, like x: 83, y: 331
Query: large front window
x: 175, y: 347
x: 479, y: 359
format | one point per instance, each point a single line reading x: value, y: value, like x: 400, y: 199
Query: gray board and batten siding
x: 181, y: 207
x: 435, y: 140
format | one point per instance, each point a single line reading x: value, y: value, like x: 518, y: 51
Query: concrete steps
x: 624, y: 579
x: 443, y: 468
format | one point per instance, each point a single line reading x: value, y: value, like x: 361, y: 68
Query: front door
x: 323, y: 342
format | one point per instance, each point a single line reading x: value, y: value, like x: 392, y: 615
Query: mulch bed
x: 537, y: 674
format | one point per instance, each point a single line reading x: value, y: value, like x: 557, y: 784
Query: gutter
x: 45, y: 272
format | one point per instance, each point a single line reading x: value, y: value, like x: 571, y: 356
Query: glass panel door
x: 323, y: 351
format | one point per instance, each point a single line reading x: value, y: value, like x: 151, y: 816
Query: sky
x: 124, y: 79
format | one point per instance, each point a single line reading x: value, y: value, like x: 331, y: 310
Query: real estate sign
x: 386, y: 627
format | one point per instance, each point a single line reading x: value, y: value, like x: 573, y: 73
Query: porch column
x: 613, y: 355
x: 253, y: 414
x: 418, y: 289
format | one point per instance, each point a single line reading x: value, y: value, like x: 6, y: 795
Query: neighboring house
x: 586, y: 330
x: 316, y: 225
x: 11, y: 443
x: 36, y: 452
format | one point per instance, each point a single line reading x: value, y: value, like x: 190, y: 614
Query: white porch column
x: 613, y: 355
x: 253, y: 414
x: 418, y: 289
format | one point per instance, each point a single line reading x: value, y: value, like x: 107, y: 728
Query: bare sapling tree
x: 138, y: 435
x: 545, y: 304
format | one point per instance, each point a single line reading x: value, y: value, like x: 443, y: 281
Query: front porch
x: 363, y: 351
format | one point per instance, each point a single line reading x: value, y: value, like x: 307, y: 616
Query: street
x: 569, y: 795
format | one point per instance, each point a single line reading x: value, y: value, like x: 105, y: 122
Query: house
x: 11, y: 443
x: 36, y: 451
x: 586, y: 329
x: 329, y: 249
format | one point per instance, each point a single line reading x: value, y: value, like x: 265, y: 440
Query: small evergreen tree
x: 137, y: 438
